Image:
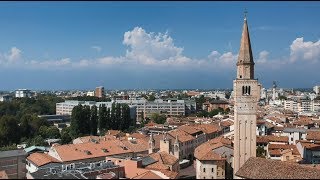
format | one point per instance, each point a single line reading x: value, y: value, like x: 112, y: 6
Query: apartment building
x: 20, y: 93
x: 13, y: 163
x: 302, y: 105
x: 65, y: 108
x: 170, y: 107
x: 99, y: 92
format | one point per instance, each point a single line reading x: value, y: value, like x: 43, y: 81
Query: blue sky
x: 81, y: 45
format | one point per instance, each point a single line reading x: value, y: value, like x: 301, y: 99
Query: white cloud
x: 263, y: 56
x: 97, y: 48
x: 150, y: 48
x: 300, y: 50
x: 50, y: 63
x: 14, y: 55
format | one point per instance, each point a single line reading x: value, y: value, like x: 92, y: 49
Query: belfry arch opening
x: 246, y: 90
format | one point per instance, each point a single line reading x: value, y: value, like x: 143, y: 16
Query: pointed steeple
x: 176, y: 140
x: 245, y: 59
x: 151, y: 138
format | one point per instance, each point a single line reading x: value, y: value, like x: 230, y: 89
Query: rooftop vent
x: 105, y: 150
x: 87, y: 152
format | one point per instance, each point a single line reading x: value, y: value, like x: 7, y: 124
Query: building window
x: 204, y: 169
x: 212, y: 170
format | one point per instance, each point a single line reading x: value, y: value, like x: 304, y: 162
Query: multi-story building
x: 65, y: 108
x: 171, y: 107
x: 316, y: 89
x: 143, y: 108
x: 291, y: 105
x: 14, y: 163
x: 5, y: 98
x: 99, y: 91
x: 90, y: 93
x: 315, y: 105
x: 294, y: 134
x: 20, y: 93
x: 302, y: 105
x: 214, y: 159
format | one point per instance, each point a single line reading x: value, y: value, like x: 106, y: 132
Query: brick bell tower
x: 246, y: 96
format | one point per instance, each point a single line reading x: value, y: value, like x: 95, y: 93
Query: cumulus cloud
x: 263, y: 56
x: 304, y: 50
x: 226, y: 59
x: 150, y: 48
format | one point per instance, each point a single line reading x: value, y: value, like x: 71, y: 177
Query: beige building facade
x: 246, y: 95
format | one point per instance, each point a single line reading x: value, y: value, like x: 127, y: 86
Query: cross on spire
x: 245, y: 14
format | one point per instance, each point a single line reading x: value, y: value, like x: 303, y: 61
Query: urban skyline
x: 155, y: 45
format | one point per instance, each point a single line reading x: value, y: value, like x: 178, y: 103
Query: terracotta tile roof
x: 278, y: 128
x: 147, y: 175
x: 261, y: 122
x: 170, y: 174
x: 151, y: 124
x: 274, y: 119
x: 137, y: 145
x: 85, y: 139
x: 284, y: 147
x: 271, y: 138
x: 260, y: 168
x: 310, y: 145
x: 313, y: 135
x: 40, y: 159
x: 113, y: 132
x: 164, y: 158
x: 137, y: 135
x: 190, y: 129
x: 226, y: 123
x: 208, y: 128
x: 276, y: 152
x: 205, y: 151
x: 157, y: 166
x: 302, y: 123
x: 72, y: 152
x: 269, y: 125
x: 182, y: 135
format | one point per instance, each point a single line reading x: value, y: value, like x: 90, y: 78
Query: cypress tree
x: 93, y: 120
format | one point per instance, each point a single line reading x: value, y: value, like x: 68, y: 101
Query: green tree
x: 43, y: 131
x: 76, y: 117
x: 151, y: 97
x: 158, y: 118
x: 93, y: 120
x: 202, y: 114
x: 86, y: 114
x: 9, y: 130
x: 65, y: 136
x: 53, y: 132
x: 37, y: 141
x: 102, y: 118
x: 261, y: 152
x: 200, y: 101
x: 282, y: 98
x: 118, y: 120
x: 25, y: 128
x: 113, y: 116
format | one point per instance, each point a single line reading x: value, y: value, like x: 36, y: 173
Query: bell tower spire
x: 245, y: 64
x: 246, y: 95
